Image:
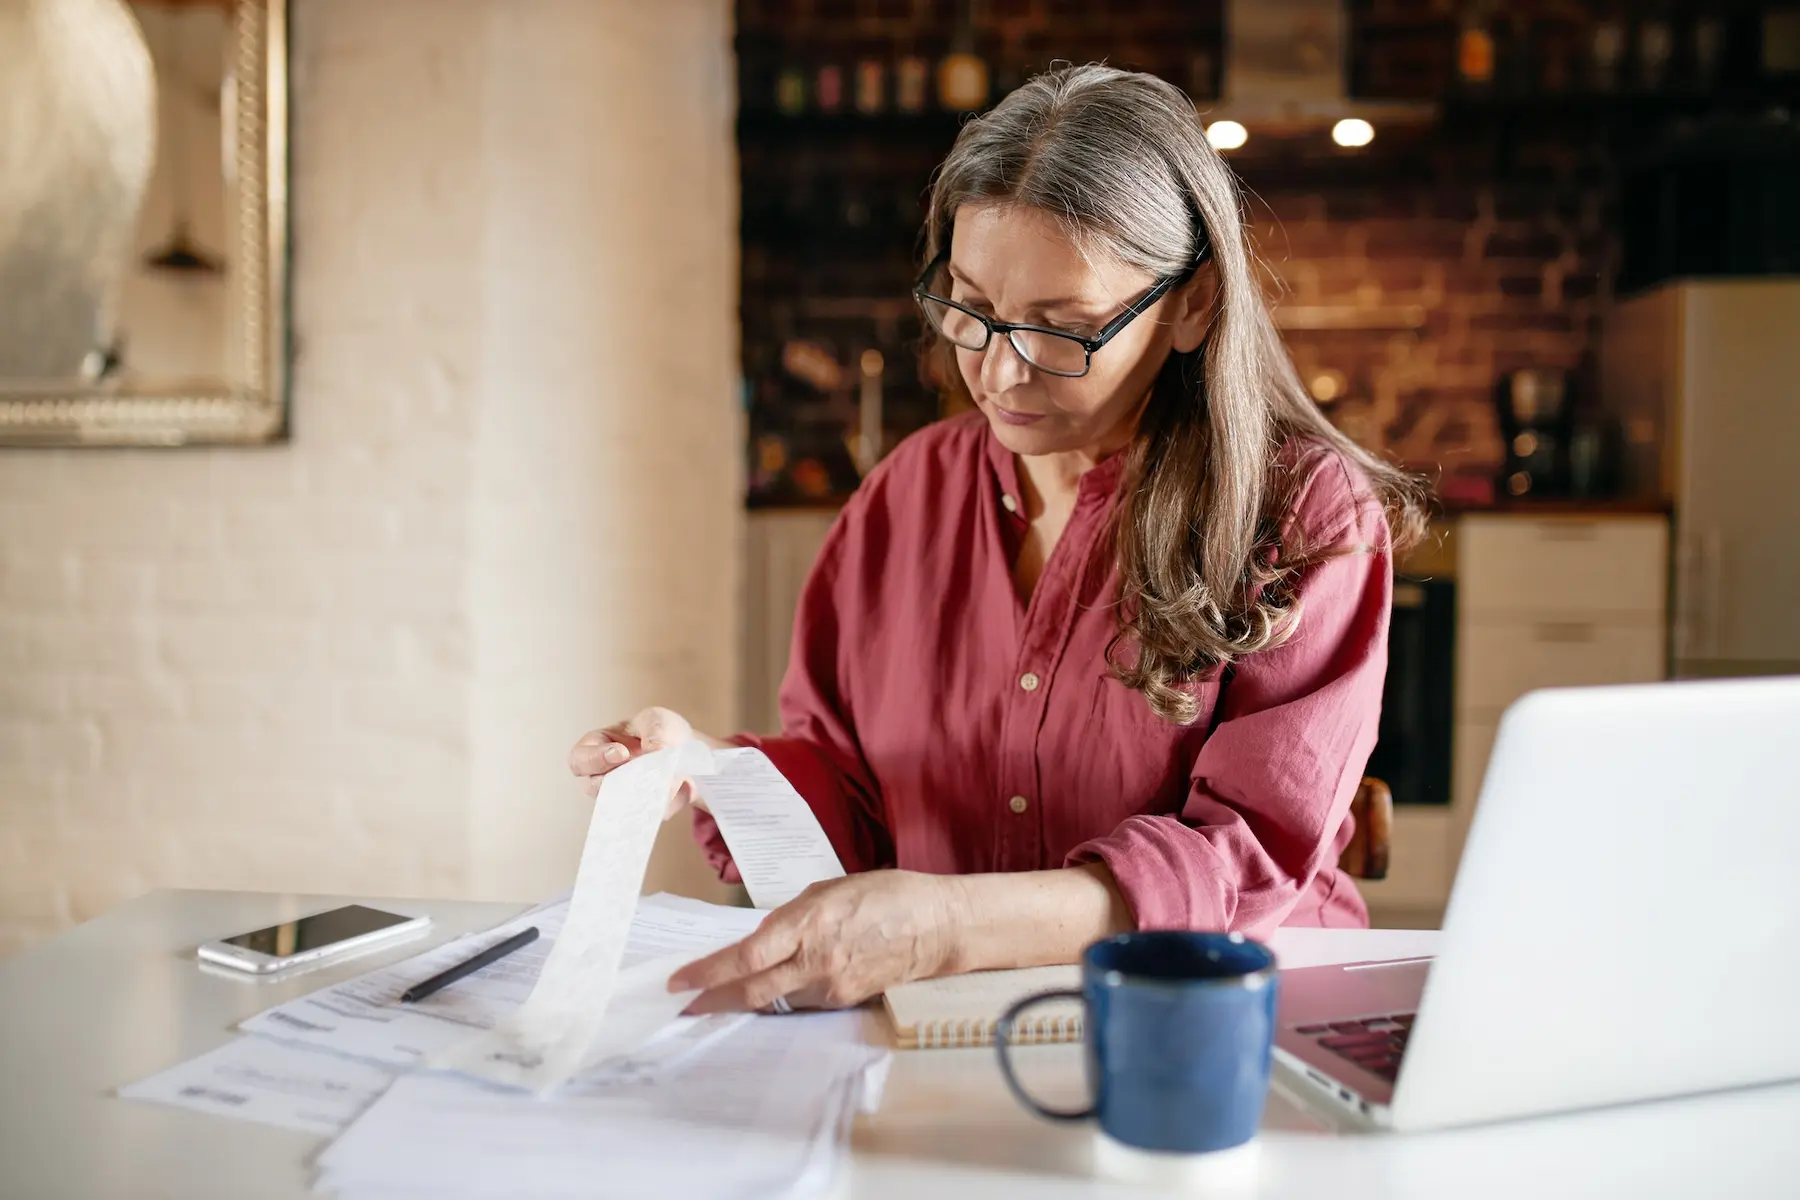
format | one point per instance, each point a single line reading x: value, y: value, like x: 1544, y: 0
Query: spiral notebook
x: 961, y: 1010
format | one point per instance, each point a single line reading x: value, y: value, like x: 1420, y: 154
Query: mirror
x: 143, y: 222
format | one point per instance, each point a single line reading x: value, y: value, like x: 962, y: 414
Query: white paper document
x: 760, y: 1111
x: 669, y: 1050
x: 773, y: 836
x: 328, y: 1055
x: 364, y: 1017
x: 255, y: 1079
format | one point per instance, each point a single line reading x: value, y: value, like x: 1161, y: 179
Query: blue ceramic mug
x: 1179, y: 1029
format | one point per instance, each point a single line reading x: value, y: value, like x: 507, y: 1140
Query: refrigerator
x: 1704, y: 378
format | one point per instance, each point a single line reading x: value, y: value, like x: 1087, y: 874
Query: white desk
x: 121, y: 998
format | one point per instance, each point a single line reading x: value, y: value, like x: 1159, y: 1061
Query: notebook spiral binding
x: 1029, y: 1031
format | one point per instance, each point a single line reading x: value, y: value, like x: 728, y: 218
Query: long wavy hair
x: 1207, y: 555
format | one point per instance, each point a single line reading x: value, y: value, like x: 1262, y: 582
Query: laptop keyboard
x: 1376, y: 1044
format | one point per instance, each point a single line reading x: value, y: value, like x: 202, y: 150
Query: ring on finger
x: 780, y: 1005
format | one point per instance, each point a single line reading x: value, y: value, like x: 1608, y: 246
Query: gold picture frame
x: 247, y: 401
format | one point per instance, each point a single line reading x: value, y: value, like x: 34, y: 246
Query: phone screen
x: 320, y: 929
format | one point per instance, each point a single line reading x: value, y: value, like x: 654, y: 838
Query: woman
x: 1108, y: 652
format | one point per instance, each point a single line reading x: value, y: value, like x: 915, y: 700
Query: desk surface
x: 121, y: 998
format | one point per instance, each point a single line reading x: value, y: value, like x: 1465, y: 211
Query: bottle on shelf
x: 828, y: 90
x: 912, y: 82
x: 790, y: 91
x: 1606, y: 54
x: 1475, y: 49
x: 871, y: 85
x: 866, y: 444
x: 770, y: 462
x: 1655, y: 48
x: 1708, y: 50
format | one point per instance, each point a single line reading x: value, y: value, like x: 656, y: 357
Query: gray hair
x: 1205, y: 552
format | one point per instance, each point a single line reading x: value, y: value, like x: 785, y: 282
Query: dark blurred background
x: 1530, y: 162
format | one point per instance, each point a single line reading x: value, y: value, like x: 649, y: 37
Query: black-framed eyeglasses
x: 1053, y: 351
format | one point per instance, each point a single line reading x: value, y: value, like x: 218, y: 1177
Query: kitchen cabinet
x: 1567, y: 600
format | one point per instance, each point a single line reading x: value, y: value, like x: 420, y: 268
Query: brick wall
x: 355, y: 662
x: 1506, y: 276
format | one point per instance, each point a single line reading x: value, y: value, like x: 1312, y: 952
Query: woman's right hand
x: 603, y: 750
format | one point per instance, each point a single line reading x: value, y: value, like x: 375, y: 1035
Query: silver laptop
x: 1625, y: 924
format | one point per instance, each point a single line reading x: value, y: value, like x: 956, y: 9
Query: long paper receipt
x: 582, y: 1007
x: 548, y: 1038
x: 772, y: 834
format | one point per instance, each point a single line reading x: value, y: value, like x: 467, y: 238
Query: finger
x: 754, y: 993
x: 622, y: 734
x: 601, y: 751
x: 598, y: 760
x: 656, y: 728
x: 618, y: 731
x: 773, y: 944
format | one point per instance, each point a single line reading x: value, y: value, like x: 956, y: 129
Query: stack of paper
x: 315, y: 1062
x: 761, y: 1109
x: 365, y: 1018
x: 565, y: 1068
x: 722, y: 1105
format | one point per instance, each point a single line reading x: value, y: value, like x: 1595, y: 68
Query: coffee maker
x: 1535, y: 409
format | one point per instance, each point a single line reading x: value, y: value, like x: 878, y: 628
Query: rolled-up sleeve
x: 817, y: 750
x: 1271, y: 786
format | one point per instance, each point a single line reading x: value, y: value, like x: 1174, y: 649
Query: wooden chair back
x: 1366, y: 857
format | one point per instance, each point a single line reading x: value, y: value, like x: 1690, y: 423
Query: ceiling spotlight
x: 1353, y: 131
x: 1226, y: 135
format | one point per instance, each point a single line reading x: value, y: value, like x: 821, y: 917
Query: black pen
x: 494, y: 953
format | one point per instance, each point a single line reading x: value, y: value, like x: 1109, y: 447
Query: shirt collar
x: 1101, y: 480
x: 1006, y: 471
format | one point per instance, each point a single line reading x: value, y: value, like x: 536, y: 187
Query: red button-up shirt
x: 936, y: 722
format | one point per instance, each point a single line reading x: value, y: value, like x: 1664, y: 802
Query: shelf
x: 936, y: 126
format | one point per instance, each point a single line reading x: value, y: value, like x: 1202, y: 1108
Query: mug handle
x: 1003, y: 1029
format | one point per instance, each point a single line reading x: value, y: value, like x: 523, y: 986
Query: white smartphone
x: 312, y: 939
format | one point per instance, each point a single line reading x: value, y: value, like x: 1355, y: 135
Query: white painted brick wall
x: 509, y: 511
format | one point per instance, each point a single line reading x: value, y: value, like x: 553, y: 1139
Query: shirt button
x: 1018, y: 804
x: 1009, y: 504
x: 1029, y: 682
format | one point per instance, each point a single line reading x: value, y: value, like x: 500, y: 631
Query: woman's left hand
x: 836, y: 944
